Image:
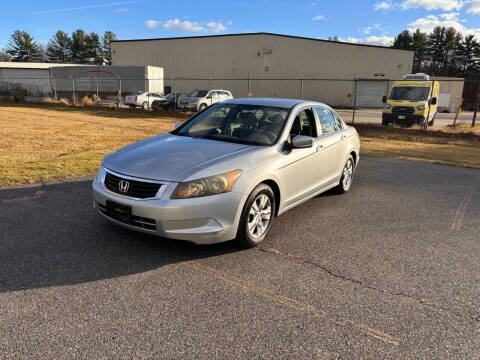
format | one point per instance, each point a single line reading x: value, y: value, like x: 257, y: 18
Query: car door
x: 299, y: 167
x: 331, y: 144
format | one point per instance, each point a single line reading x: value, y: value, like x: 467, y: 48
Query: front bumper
x: 403, y: 119
x: 205, y: 220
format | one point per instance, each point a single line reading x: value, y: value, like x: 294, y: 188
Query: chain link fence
x: 357, y: 98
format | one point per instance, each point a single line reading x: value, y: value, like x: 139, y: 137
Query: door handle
x: 320, y: 147
x: 344, y: 137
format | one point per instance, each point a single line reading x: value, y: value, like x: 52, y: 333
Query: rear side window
x: 338, y: 121
x: 328, y: 123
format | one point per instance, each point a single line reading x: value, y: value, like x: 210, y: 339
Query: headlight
x: 212, y: 185
x: 421, y: 107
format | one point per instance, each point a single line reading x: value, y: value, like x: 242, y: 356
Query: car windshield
x: 410, y: 93
x: 198, y: 93
x: 238, y: 123
x: 170, y: 96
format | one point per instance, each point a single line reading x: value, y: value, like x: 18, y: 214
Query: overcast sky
x: 371, y: 22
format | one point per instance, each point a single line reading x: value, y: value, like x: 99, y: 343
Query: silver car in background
x: 199, y: 100
x: 228, y: 171
x: 142, y: 99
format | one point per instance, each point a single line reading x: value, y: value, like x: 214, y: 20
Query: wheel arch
x: 276, y: 191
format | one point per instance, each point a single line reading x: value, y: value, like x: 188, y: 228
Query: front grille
x: 137, y: 221
x: 403, y: 110
x: 136, y: 189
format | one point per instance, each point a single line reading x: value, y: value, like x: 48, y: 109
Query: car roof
x: 275, y: 102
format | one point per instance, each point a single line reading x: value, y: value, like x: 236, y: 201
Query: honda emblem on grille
x: 123, y: 186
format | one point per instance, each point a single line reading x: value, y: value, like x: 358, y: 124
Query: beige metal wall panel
x: 330, y: 92
x: 264, y: 56
x: 260, y: 54
x: 305, y: 56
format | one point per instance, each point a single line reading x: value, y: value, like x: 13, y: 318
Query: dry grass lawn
x: 441, y: 147
x: 41, y: 143
x: 48, y: 142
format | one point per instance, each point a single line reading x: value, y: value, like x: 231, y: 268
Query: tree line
x: 443, y: 52
x: 80, y: 48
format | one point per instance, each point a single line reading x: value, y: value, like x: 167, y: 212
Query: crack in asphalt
x: 475, y: 317
x: 37, y: 194
x: 422, y: 301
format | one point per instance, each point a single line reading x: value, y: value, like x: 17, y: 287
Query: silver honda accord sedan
x: 228, y: 171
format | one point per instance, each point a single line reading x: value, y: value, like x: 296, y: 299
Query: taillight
x: 136, y: 97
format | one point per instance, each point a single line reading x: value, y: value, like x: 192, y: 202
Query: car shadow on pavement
x: 59, y: 239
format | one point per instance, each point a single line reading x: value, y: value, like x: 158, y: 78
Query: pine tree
x: 79, y: 48
x: 419, y: 45
x: 436, y: 44
x: 469, y: 56
x: 107, y: 38
x: 58, y: 48
x: 94, y: 49
x: 403, y: 41
x: 23, y: 48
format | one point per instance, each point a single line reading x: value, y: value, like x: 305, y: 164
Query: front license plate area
x: 118, y: 211
x: 401, y: 117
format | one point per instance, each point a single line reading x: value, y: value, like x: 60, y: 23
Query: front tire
x: 202, y: 107
x: 145, y: 105
x: 347, y: 176
x: 257, y: 217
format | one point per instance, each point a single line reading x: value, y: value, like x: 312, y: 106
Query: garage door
x: 370, y: 93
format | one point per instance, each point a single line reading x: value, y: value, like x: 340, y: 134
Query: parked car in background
x: 199, y: 100
x: 228, y: 171
x: 412, y: 101
x: 168, y: 103
x: 142, y: 98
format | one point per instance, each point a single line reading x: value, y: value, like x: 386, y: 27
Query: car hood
x: 169, y: 157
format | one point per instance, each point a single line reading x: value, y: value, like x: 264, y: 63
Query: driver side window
x: 304, y: 124
x: 212, y: 123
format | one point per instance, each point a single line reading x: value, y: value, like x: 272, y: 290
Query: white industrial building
x: 33, y: 77
x: 64, y: 80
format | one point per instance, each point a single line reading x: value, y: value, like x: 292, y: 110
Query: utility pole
x: 475, y: 109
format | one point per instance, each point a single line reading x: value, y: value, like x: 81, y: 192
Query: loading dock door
x: 370, y: 93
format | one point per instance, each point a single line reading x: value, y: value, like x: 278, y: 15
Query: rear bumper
x: 206, y: 220
x: 402, y: 119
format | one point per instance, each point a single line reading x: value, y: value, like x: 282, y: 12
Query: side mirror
x: 302, y: 142
x: 178, y: 123
x: 384, y: 99
x: 433, y: 101
x: 209, y: 97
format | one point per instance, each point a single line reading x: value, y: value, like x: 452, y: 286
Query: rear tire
x: 257, y: 217
x: 432, y: 121
x: 347, y: 176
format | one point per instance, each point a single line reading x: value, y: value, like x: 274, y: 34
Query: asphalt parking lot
x: 389, y: 270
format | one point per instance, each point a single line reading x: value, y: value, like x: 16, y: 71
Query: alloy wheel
x: 259, y: 216
x: 348, y: 174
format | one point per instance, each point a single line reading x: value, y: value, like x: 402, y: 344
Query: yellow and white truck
x: 411, y: 101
